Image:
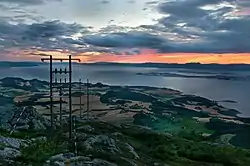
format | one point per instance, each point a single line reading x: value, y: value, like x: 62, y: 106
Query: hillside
x: 128, y: 125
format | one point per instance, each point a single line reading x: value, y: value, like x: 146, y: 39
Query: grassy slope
x: 151, y: 146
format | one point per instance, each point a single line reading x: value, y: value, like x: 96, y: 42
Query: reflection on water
x: 119, y: 75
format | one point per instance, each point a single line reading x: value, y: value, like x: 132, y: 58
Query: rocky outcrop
x: 86, y: 129
x: 95, y: 162
x: 101, y: 143
x: 69, y: 159
x: 9, y: 153
x: 10, y: 149
x: 132, y: 151
x: 81, y: 136
x: 11, y: 142
x: 28, y: 118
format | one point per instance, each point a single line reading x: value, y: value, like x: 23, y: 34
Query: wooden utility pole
x: 87, y: 99
x: 70, y: 98
x: 51, y: 93
x: 60, y: 94
x: 55, y: 85
x: 80, y: 91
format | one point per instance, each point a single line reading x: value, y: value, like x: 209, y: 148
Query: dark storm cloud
x: 125, y: 40
x: 216, y: 31
x: 50, y: 29
x: 47, y: 35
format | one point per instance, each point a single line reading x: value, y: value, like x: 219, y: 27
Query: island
x: 217, y: 76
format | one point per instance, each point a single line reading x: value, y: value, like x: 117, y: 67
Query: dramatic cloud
x: 47, y: 35
x: 126, y: 27
x: 25, y: 2
x: 199, y: 26
x: 125, y: 40
x: 215, y: 23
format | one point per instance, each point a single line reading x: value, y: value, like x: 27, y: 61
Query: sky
x: 131, y: 31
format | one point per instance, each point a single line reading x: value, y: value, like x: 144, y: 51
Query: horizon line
x: 103, y: 62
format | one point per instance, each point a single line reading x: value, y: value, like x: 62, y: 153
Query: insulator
x: 56, y: 70
x: 65, y: 80
x: 65, y: 70
x: 60, y: 70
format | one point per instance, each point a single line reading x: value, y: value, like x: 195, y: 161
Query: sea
x: 214, y: 89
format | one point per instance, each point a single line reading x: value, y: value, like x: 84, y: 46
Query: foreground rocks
x: 68, y: 159
x: 9, y: 153
x: 10, y: 148
x: 25, y: 118
x: 101, y: 143
x: 11, y: 142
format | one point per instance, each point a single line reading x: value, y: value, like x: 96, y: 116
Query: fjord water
x: 213, y: 89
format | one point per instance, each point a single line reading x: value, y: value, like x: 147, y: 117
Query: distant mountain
x: 6, y: 64
x: 213, y: 66
x: 175, y: 65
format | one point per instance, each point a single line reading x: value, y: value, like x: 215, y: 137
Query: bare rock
x: 95, y: 162
x: 58, y: 163
x: 11, y: 142
x: 61, y: 160
x: 117, y: 134
x: 24, y: 127
x: 58, y: 157
x: 81, y: 136
x: 132, y: 150
x: 86, y: 128
x: 101, y: 143
x: 9, y: 153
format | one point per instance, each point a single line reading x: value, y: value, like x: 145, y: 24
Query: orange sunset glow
x: 144, y: 56
x: 171, y: 58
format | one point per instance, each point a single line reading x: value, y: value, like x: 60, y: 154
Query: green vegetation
x: 172, y: 124
x: 126, y: 95
x: 184, y: 149
x: 25, y: 134
x: 39, y: 151
x: 180, y: 151
x: 5, y: 100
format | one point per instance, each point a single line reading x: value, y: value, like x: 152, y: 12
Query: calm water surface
x: 211, y: 88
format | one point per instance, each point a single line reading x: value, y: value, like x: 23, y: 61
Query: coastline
x: 161, y: 109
